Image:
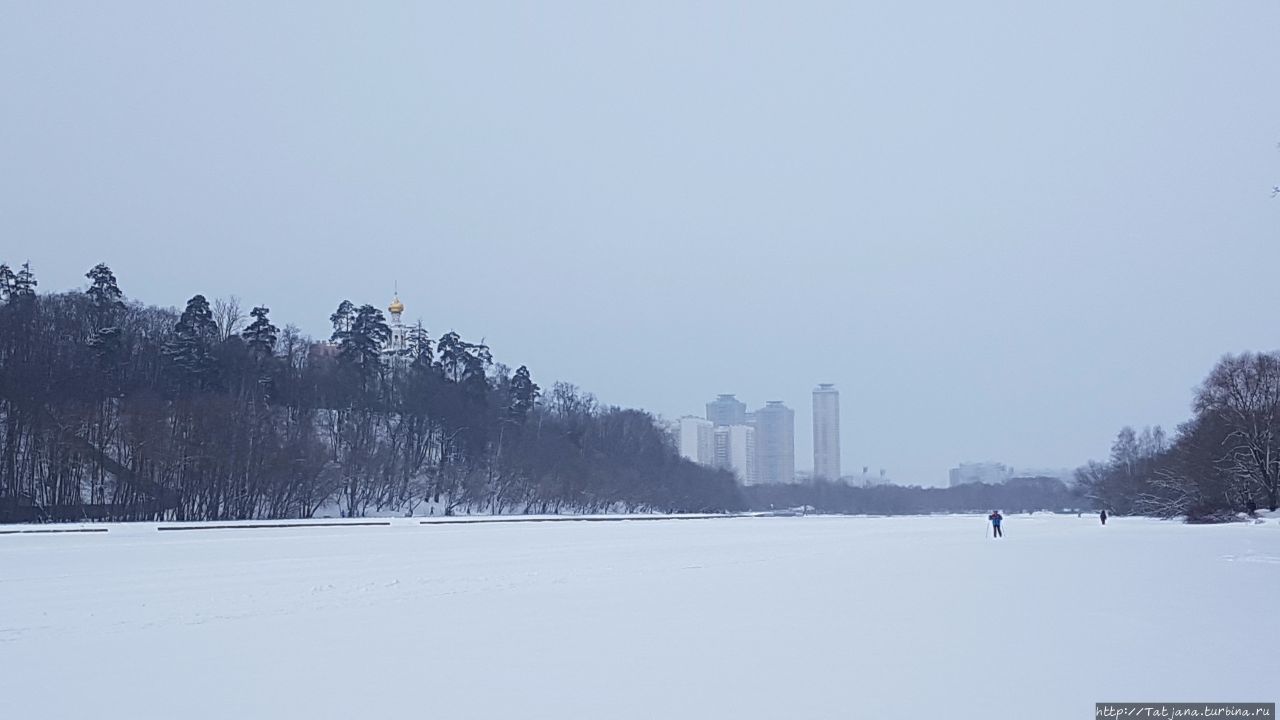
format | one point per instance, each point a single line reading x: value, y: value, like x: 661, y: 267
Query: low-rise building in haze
x: 868, y: 479
x: 990, y: 473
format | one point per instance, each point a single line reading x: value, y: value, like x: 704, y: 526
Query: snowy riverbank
x: 811, y: 617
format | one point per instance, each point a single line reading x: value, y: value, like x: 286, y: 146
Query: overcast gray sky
x: 1003, y: 229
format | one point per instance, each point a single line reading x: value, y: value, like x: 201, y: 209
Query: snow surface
x: 806, y: 617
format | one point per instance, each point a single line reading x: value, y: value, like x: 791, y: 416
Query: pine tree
x: 341, y: 319
x: 418, y: 346
x: 104, y: 294
x: 460, y: 361
x: 475, y: 376
x: 360, y: 346
x: 106, y: 302
x: 6, y: 282
x: 261, y: 335
x: 190, y: 348
x: 17, y: 286
x: 449, y: 356
x: 524, y: 393
x: 24, y: 283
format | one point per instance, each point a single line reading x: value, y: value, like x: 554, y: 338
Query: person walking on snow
x: 995, y: 517
x: 1103, y: 516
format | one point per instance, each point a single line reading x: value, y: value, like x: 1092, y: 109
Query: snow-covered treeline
x: 1023, y: 494
x: 117, y: 410
x: 1224, y: 460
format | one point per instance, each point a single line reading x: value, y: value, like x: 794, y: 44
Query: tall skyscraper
x: 826, y: 432
x: 727, y: 410
x: 775, y: 443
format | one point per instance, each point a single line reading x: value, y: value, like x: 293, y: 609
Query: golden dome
x: 396, y: 307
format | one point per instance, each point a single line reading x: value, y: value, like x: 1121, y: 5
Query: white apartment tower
x: 826, y: 432
x: 697, y: 440
x: 735, y: 450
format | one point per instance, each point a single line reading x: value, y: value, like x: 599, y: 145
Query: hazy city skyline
x: 1002, y: 230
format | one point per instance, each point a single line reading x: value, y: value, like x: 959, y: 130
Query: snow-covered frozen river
x: 816, y: 617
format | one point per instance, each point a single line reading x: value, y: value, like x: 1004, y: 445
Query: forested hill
x: 113, y: 409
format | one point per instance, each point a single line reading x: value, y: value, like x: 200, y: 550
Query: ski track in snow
x: 746, y: 618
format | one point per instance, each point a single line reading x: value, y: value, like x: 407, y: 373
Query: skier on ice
x: 995, y: 517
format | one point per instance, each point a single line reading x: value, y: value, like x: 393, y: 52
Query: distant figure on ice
x: 995, y: 517
x: 1251, y: 507
x: 1103, y: 516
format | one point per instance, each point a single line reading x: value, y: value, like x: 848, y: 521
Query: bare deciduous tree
x: 228, y: 316
x: 1244, y: 391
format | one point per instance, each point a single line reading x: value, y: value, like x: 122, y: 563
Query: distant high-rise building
x: 775, y: 443
x: 727, y: 410
x: 696, y: 438
x: 735, y: 450
x: 826, y: 432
